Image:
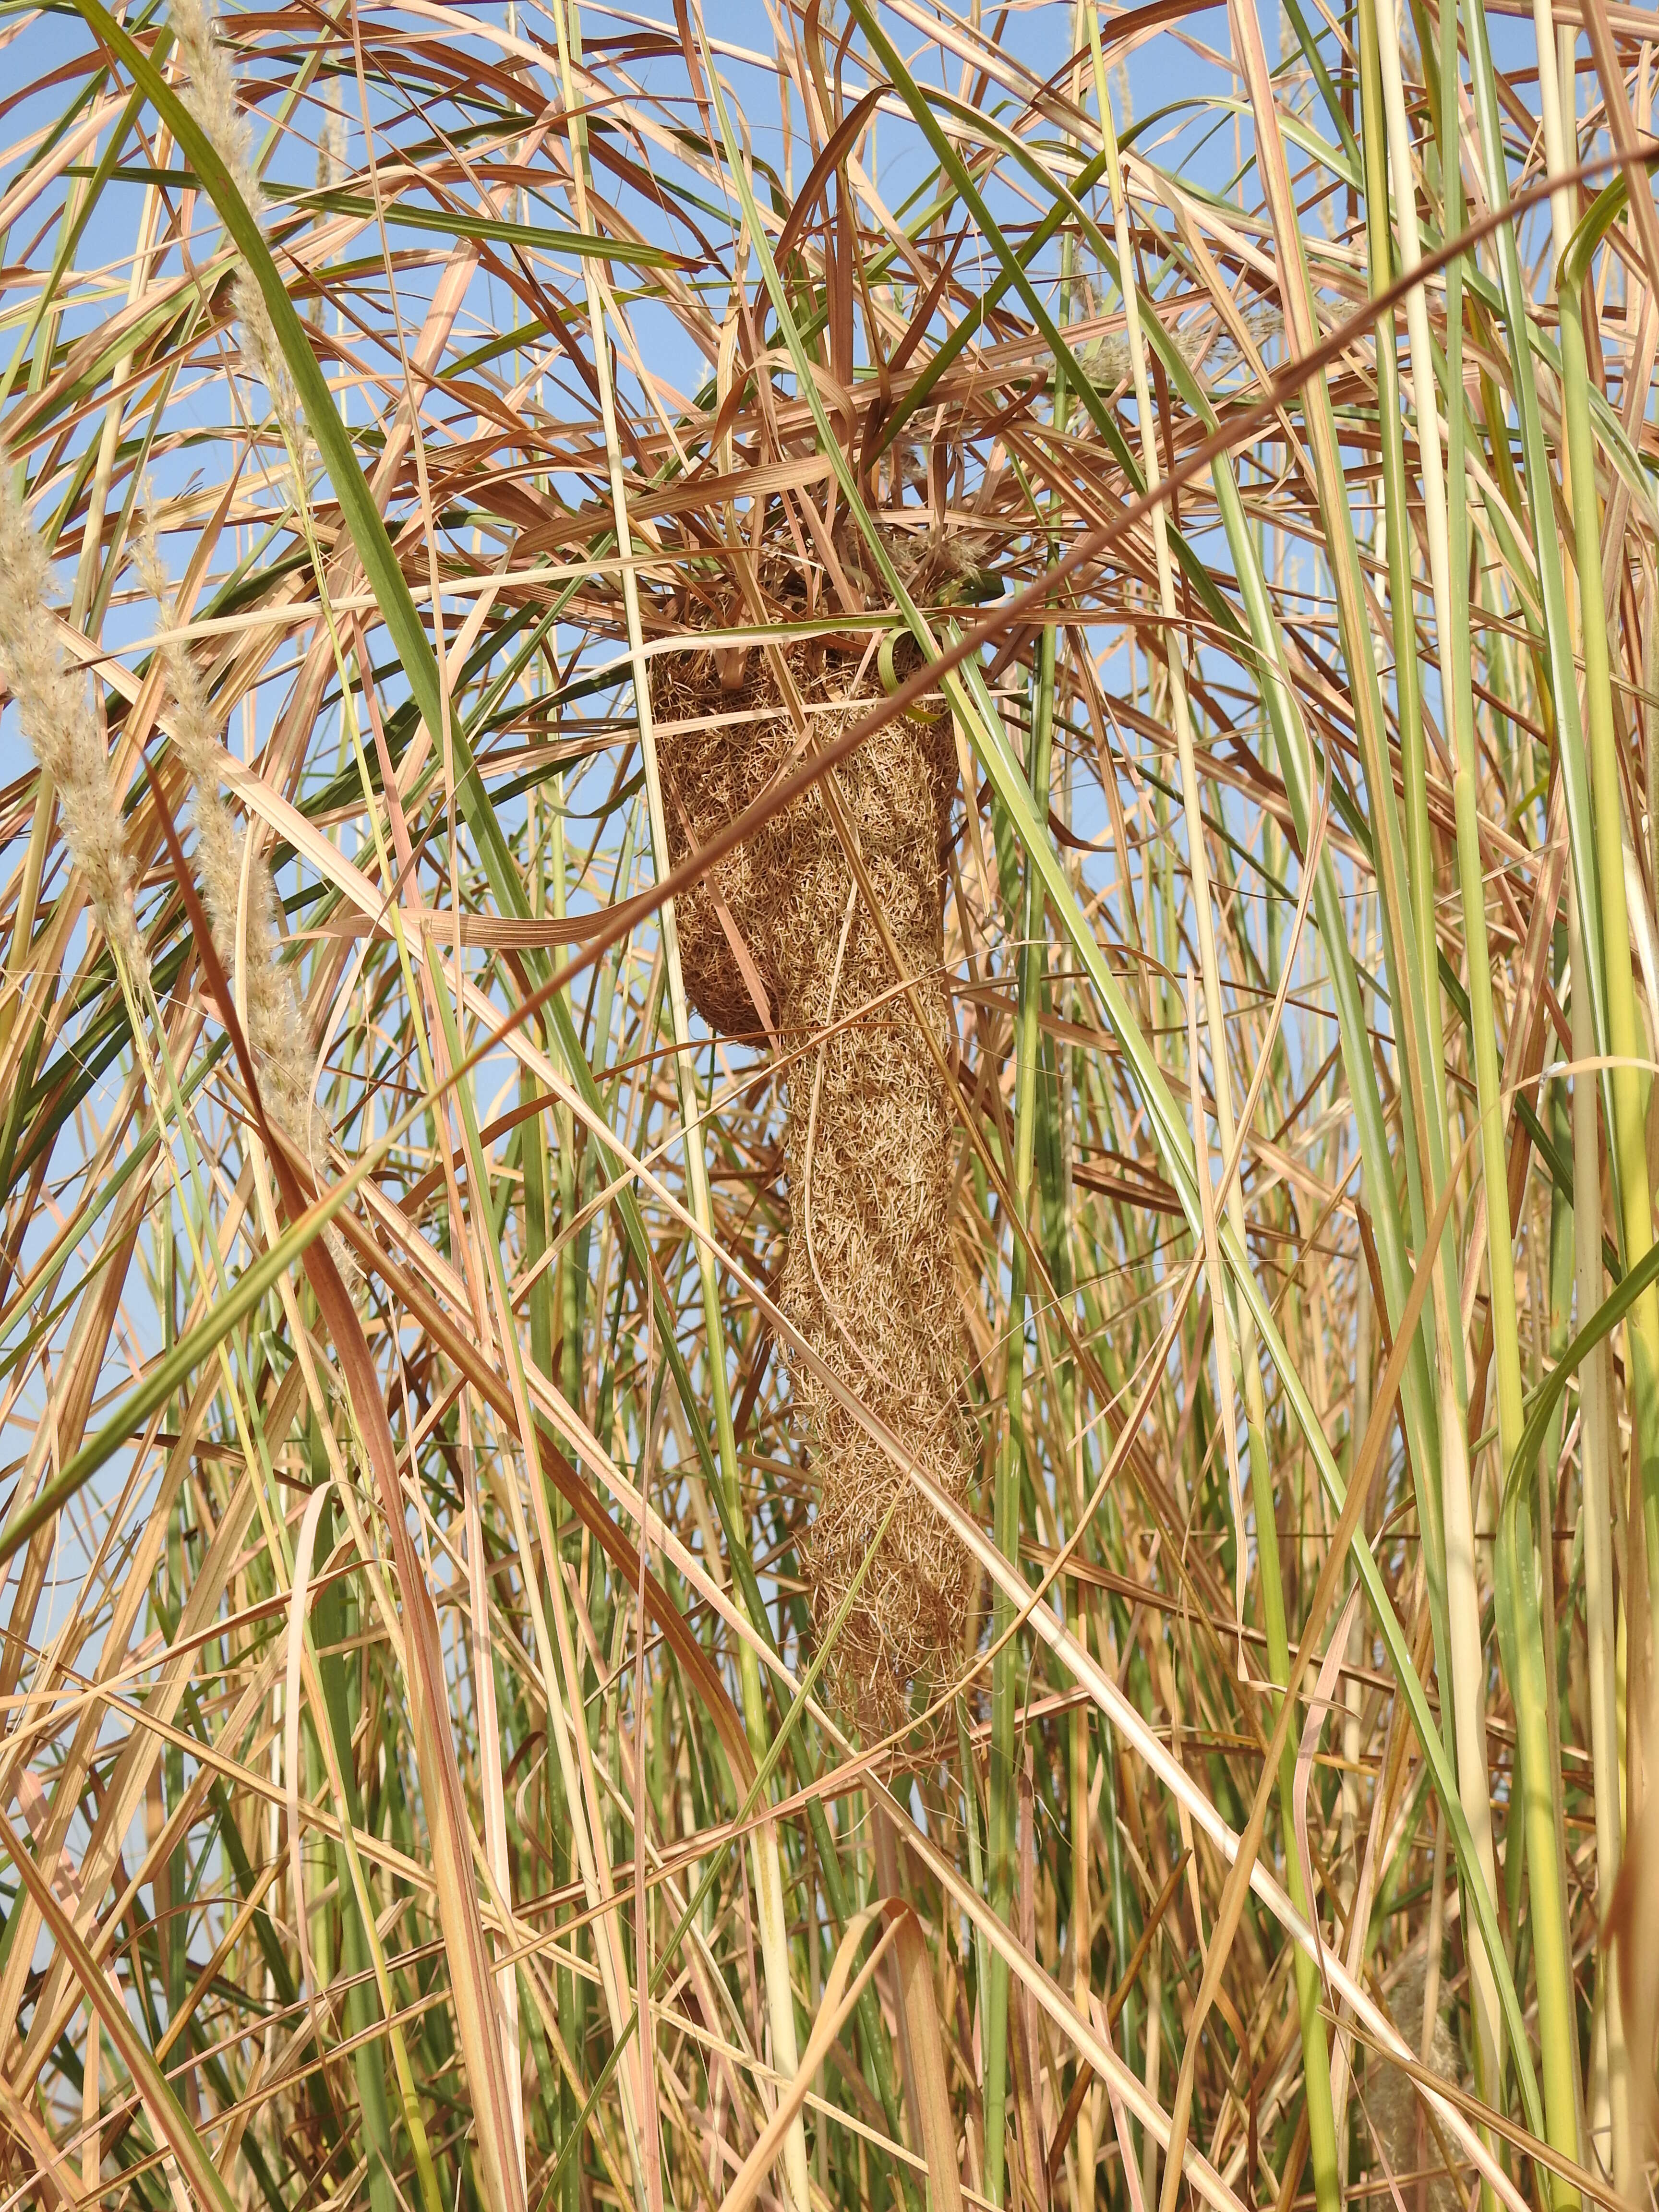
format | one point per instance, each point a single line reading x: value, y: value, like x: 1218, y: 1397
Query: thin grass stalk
x: 474, y: 1999
x: 502, y: 2172
x: 1516, y: 1563
x: 1316, y: 2049
x: 570, y: 1728
x: 578, y: 1788
x: 361, y: 2007
x: 1011, y: 789
x: 1294, y: 753
x: 363, y: 1917
x: 1061, y: 1243
x: 1561, y: 675
x: 241, y: 1397
x: 767, y: 1860
x: 1013, y: 1469
x: 482, y: 1655
x: 1203, y: 914
x: 540, y: 1175
x: 1295, y: 757
x: 1627, y: 1040
x: 1466, y: 1664
x: 92, y: 546
x: 1602, y: 1608
x: 568, y: 1719
x: 1388, y: 856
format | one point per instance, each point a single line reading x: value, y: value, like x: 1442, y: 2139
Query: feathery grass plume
x: 331, y: 143
x: 210, y: 96
x: 55, y: 713
x: 275, y: 1023
x: 331, y: 165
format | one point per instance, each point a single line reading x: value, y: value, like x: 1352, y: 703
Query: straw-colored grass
x: 980, y: 1524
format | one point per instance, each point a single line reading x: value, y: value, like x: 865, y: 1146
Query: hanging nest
x: 776, y: 938
x: 1403, y: 2131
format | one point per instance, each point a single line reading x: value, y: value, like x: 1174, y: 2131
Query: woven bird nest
x: 777, y: 937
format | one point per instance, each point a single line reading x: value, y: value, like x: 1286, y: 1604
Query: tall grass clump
x: 828, y: 1311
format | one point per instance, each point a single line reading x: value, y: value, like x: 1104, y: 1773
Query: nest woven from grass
x: 777, y: 937
x: 1403, y: 2131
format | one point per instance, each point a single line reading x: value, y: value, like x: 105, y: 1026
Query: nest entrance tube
x: 778, y: 937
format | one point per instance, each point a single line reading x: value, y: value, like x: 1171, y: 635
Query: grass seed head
x: 276, y: 1025
x: 55, y: 713
x: 210, y: 96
